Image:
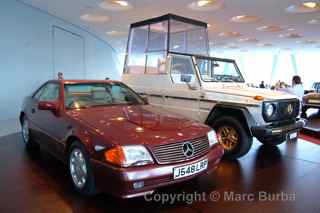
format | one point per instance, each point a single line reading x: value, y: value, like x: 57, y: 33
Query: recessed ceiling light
x: 115, y: 33
x: 245, y: 19
x: 310, y: 4
x: 304, y: 7
x: 314, y: 21
x: 206, y: 5
x: 95, y: 18
x: 310, y: 42
x: 248, y: 40
x: 264, y: 45
x: 244, y: 50
x: 230, y: 34
x: 203, y: 3
x: 115, y: 5
x: 290, y: 35
x: 271, y: 28
x: 291, y: 29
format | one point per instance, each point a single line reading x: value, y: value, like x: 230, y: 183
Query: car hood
x: 234, y: 89
x: 139, y: 124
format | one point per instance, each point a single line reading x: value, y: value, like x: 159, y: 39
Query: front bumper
x: 118, y: 182
x: 269, y: 133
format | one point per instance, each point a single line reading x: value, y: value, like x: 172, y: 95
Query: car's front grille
x: 285, y: 110
x: 172, y: 153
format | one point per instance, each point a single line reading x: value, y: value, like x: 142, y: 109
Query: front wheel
x: 26, y: 136
x: 80, y: 170
x: 233, y: 137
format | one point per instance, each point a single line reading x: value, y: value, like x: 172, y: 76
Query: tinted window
x: 50, y: 92
x: 98, y: 94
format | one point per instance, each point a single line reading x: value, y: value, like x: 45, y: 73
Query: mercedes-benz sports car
x: 112, y: 140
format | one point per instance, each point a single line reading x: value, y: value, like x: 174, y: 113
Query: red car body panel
x: 109, y: 126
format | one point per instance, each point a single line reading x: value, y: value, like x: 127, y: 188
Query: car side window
x: 50, y: 92
x: 182, y: 70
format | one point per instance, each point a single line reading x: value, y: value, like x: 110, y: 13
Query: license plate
x: 293, y: 135
x: 191, y: 169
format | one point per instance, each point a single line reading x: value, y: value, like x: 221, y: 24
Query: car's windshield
x: 218, y: 70
x: 84, y: 95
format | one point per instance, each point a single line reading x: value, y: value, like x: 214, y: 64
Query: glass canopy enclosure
x: 151, y: 40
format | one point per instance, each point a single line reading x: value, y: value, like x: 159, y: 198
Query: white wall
x: 26, y: 53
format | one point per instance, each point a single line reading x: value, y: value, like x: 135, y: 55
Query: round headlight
x: 269, y: 109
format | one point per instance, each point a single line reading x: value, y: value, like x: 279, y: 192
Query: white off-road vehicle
x: 167, y: 60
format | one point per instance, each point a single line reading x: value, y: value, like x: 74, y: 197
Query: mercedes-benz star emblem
x: 290, y: 109
x: 188, y: 149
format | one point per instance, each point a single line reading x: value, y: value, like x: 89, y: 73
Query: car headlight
x: 212, y: 138
x: 127, y: 156
x: 269, y: 109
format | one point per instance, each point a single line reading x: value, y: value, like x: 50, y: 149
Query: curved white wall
x: 26, y: 53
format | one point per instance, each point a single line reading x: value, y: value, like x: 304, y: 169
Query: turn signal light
x: 115, y: 156
x: 258, y: 98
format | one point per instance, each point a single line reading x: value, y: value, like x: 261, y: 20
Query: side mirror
x: 48, y: 105
x: 185, y: 78
x: 146, y: 100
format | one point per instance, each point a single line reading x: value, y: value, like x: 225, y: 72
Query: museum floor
x: 39, y: 183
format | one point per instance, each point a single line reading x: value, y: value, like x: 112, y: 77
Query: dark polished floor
x: 39, y: 183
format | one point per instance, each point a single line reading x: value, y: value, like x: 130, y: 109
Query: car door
x: 184, y: 95
x: 51, y: 125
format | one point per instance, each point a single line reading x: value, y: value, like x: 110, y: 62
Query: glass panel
x: 136, y: 52
x: 156, y: 63
x: 158, y: 36
x: 99, y: 94
x: 214, y: 70
x: 50, y: 93
x: 182, y: 70
x: 188, y: 38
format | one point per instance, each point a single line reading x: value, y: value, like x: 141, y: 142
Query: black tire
x: 29, y: 143
x: 245, y: 139
x: 89, y: 187
x: 272, y: 141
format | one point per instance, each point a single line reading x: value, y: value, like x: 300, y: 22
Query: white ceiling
x: 273, y: 12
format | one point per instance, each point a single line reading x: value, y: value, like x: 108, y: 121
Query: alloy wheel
x: 78, y: 168
x: 228, y: 137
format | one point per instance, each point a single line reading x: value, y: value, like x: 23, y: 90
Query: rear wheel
x: 80, y: 170
x: 233, y: 137
x: 26, y: 136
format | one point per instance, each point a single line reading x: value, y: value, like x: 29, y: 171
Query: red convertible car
x: 112, y: 140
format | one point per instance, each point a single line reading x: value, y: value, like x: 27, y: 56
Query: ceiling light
x: 248, y: 40
x: 291, y: 29
x: 304, y: 7
x: 206, y: 5
x: 290, y: 35
x: 264, y: 45
x: 245, y: 19
x: 94, y: 18
x: 271, y: 28
x: 311, y: 42
x: 310, y: 4
x: 230, y: 34
x: 314, y: 21
x: 116, y: 33
x: 115, y: 5
x: 122, y: 3
x: 203, y: 3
